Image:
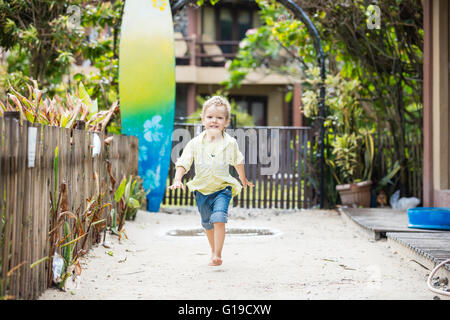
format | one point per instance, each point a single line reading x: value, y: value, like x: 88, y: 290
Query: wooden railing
x: 295, y: 184
x: 27, y: 181
x: 196, y: 52
x: 278, y: 160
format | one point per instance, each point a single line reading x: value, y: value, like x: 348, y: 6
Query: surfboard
x: 147, y: 89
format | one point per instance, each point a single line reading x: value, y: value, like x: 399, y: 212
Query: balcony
x: 203, y: 61
x: 204, y: 52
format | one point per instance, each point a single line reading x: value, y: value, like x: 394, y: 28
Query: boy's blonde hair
x: 217, y: 101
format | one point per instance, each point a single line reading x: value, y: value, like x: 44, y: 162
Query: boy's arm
x: 182, y: 166
x: 241, y: 172
x: 238, y: 163
x: 179, y: 173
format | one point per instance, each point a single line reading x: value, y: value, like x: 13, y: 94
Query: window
x: 225, y: 27
x: 256, y: 106
x: 229, y: 21
x: 244, y: 22
x: 232, y: 23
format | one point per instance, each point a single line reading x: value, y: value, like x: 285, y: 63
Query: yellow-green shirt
x: 212, y: 161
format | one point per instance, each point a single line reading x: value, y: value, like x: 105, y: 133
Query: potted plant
x: 352, y: 173
x: 350, y: 136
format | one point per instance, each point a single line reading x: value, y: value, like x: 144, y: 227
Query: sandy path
x: 315, y: 256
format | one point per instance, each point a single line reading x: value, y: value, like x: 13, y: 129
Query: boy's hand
x: 177, y: 184
x: 246, y: 183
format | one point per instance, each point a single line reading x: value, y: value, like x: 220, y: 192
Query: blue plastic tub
x: 429, y: 218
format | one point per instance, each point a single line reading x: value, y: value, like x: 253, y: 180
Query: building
x: 436, y: 122
x: 206, y: 38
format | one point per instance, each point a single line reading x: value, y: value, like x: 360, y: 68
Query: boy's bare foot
x: 215, y: 261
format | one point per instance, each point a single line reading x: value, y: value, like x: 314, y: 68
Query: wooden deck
x: 425, y: 246
x: 376, y: 222
x: 431, y: 247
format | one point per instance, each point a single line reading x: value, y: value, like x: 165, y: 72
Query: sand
x: 313, y: 254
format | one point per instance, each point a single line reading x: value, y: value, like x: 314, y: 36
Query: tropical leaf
x: 134, y: 203
x: 127, y: 190
x: 120, y: 190
x: 387, y: 178
x: 34, y: 264
x: 73, y: 241
x: 84, y: 96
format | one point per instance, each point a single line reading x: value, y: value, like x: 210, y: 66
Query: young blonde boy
x: 213, y: 151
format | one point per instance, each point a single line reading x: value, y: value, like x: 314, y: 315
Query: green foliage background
x: 386, y: 62
x: 43, y: 42
x: 44, y: 38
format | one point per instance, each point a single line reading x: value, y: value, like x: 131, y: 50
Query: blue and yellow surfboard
x: 147, y: 89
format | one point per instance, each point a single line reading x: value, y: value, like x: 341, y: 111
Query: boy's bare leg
x: 219, y: 238
x: 210, y: 236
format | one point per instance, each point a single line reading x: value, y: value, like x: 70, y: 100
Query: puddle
x: 248, y: 232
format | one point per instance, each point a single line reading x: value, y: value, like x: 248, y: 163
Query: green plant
x: 41, y: 38
x: 55, y: 111
x: 49, y: 40
x: 73, y: 230
x: 387, y: 178
x: 67, y: 249
x: 348, y: 165
x: 94, y: 211
x: 351, y: 141
x: 345, y: 149
x: 73, y: 225
x: 128, y: 196
x: 138, y: 193
x: 65, y: 242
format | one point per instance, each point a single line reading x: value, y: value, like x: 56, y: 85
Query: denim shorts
x: 213, y: 207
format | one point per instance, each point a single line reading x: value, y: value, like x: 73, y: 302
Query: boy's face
x: 215, y: 119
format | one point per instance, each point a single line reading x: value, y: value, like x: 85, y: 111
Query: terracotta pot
x: 355, y: 195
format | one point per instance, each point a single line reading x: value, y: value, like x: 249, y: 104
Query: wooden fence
x: 278, y: 160
x: 295, y: 183
x: 27, y: 179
